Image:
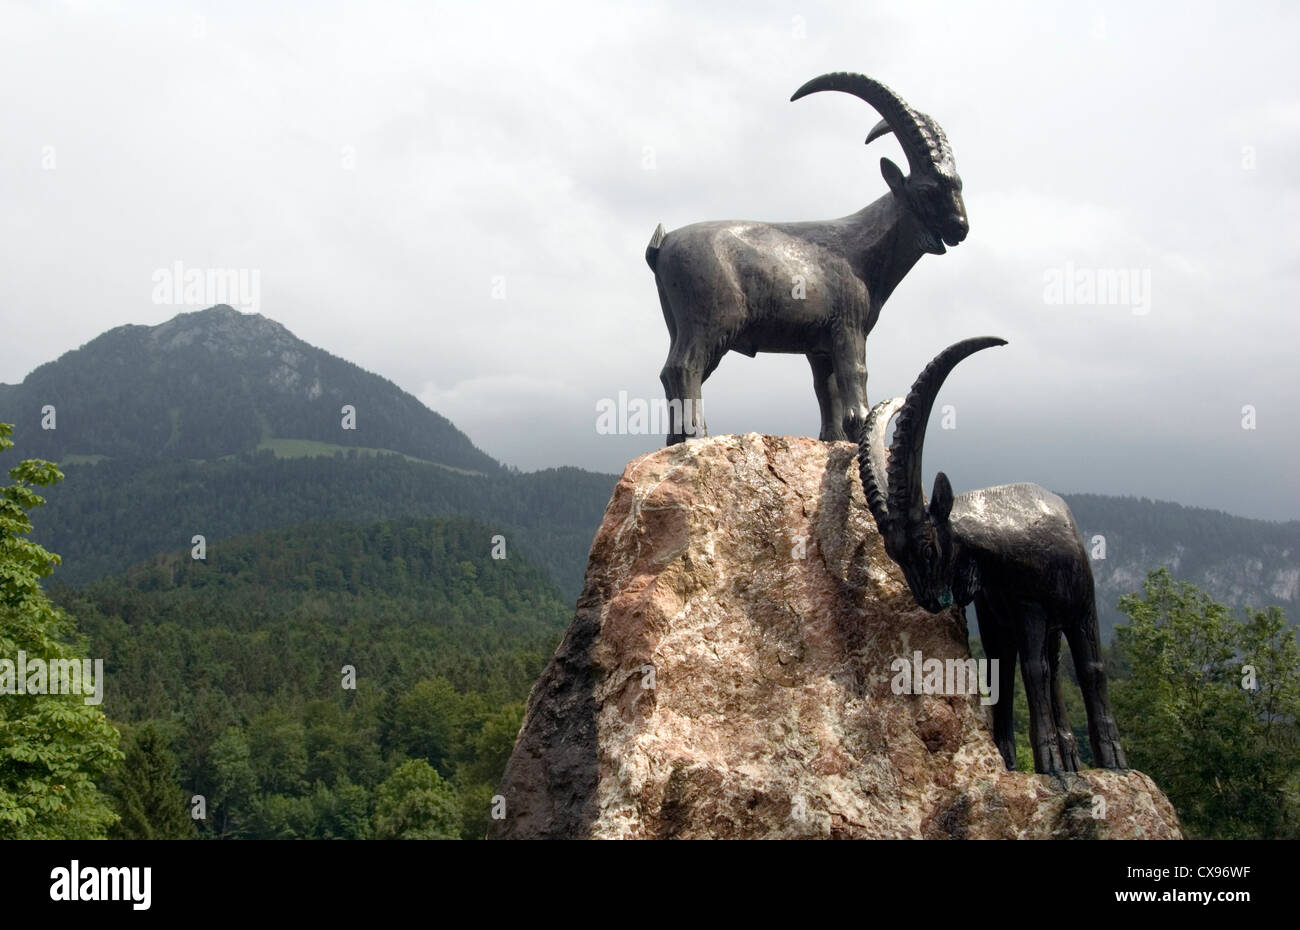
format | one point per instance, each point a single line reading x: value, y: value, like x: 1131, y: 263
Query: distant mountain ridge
x: 1237, y: 560
x: 218, y: 382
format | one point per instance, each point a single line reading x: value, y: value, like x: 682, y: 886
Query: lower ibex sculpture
x: 811, y: 288
x: 1015, y: 551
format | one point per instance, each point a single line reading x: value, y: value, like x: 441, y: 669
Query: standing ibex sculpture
x: 1015, y: 551
x: 813, y: 288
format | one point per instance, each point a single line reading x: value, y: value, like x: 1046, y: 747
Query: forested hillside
x: 104, y: 517
x: 1237, y: 561
x: 213, y: 383
x: 238, y: 661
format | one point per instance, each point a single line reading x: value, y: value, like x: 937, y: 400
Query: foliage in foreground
x: 1209, y: 709
x: 53, y: 747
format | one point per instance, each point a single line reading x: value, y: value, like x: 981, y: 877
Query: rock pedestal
x: 728, y: 675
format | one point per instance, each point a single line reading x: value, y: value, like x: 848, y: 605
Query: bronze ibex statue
x: 1015, y: 551
x: 814, y: 288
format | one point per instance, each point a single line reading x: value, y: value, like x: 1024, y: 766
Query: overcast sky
x: 383, y: 166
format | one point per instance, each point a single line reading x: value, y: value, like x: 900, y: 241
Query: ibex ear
x: 892, y: 175
x: 941, y: 499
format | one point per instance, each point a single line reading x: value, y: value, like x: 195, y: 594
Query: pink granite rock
x: 728, y: 675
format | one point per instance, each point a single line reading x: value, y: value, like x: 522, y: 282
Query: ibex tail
x: 652, y: 250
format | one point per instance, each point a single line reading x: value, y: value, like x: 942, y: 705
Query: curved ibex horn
x: 881, y: 128
x: 912, y: 128
x: 905, y: 496
x: 872, y: 460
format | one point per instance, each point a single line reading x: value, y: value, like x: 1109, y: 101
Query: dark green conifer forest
x: 330, y: 681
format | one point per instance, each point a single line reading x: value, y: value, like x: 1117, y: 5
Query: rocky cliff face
x: 728, y: 674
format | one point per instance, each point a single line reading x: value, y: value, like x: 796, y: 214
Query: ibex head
x: 917, y: 537
x: 932, y: 192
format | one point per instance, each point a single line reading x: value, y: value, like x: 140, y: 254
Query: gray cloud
x: 383, y: 164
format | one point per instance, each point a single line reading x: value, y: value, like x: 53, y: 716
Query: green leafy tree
x: 414, y: 803
x: 278, y: 750
x: 235, y: 779
x: 436, y: 722
x: 489, y: 749
x: 1210, y: 711
x: 1270, y: 651
x: 147, y: 789
x: 53, y: 747
x: 479, y: 775
x: 343, y: 812
x: 277, y: 817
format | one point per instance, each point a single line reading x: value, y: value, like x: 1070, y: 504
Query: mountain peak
x: 223, y: 328
x: 216, y: 382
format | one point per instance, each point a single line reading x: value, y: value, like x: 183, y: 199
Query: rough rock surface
x: 727, y: 674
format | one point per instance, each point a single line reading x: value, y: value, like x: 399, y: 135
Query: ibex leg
x: 1031, y: 636
x: 682, y: 376
x: 848, y: 357
x: 1103, y: 734
x: 828, y: 397
x: 1060, y: 717
x: 999, y: 644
